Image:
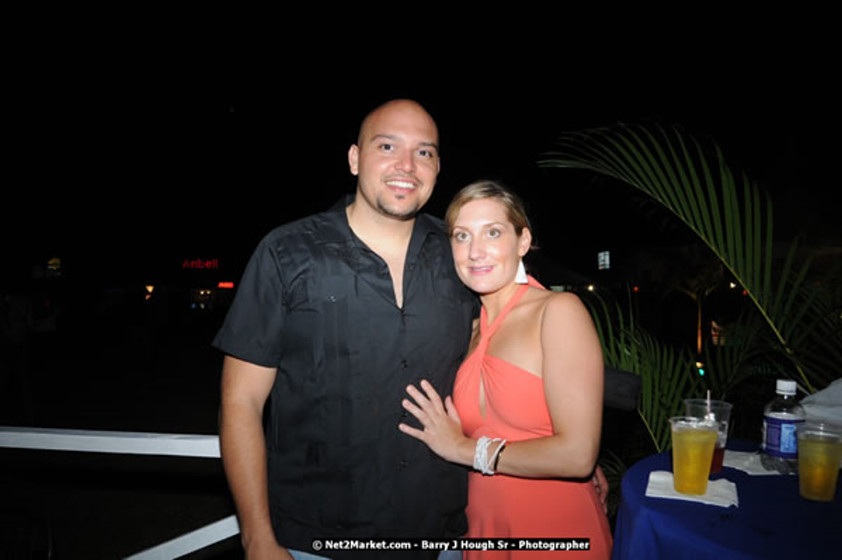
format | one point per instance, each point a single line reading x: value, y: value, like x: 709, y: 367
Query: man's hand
x: 600, y: 483
x: 266, y: 549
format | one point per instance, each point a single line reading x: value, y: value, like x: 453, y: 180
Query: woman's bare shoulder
x: 562, y: 307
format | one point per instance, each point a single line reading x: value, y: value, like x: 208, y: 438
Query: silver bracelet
x: 495, y: 458
x: 482, y: 461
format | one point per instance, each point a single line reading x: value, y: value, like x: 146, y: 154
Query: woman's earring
x: 520, y: 277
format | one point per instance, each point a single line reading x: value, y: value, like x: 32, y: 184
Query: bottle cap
x: 785, y: 387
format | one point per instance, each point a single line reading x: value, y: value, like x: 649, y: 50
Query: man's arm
x: 245, y: 389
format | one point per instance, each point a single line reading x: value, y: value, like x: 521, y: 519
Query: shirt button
x: 404, y: 364
x: 403, y: 464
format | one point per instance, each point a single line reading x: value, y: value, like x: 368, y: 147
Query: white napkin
x: 720, y: 492
x: 746, y: 461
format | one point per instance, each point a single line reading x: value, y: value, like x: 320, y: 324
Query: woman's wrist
x: 466, y: 451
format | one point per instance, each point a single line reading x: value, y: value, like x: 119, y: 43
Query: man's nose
x: 406, y: 161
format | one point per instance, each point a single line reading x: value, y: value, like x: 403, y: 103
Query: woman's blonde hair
x: 515, y: 209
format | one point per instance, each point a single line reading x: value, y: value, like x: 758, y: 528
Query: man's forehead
x: 431, y: 142
x: 398, y: 119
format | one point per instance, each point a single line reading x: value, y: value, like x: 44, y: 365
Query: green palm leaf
x: 671, y: 376
x: 732, y: 216
x: 732, y: 361
x: 667, y: 375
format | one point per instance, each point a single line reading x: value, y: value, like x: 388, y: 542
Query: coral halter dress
x: 502, y: 506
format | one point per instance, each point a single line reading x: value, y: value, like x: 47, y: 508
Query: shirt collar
x: 424, y: 226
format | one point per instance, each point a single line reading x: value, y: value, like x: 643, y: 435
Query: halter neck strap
x: 486, y: 332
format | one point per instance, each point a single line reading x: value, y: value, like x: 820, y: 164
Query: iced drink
x: 721, y: 411
x: 693, y: 440
x: 718, y: 457
x: 819, y: 454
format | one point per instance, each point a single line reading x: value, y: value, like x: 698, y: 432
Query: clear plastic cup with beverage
x: 693, y: 440
x: 721, y: 411
x: 819, y: 454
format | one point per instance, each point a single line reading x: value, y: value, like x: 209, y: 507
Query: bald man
x: 335, y: 315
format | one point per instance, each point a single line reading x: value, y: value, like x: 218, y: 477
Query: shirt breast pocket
x: 344, y: 333
x: 316, y: 324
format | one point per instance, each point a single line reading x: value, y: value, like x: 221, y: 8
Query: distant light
x: 53, y: 267
x: 149, y: 289
x: 225, y: 285
x: 717, y: 334
x: 701, y: 367
x: 732, y: 285
x: 636, y: 289
x: 591, y: 287
x: 604, y: 260
x: 745, y: 293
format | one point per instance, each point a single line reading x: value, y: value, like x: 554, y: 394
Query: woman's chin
x: 483, y: 286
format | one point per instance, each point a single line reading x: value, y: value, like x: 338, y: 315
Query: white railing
x: 137, y: 443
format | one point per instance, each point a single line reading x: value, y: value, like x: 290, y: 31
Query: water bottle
x: 780, y: 418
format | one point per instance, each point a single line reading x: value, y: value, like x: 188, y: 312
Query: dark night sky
x: 134, y: 175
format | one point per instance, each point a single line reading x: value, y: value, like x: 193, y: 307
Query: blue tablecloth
x: 772, y: 520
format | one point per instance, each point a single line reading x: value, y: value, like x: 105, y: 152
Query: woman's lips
x: 480, y: 270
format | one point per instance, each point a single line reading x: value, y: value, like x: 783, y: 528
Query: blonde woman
x: 526, y: 410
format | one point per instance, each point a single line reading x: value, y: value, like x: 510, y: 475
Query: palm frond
x: 730, y: 213
x: 670, y: 376
x: 667, y: 374
x: 731, y: 361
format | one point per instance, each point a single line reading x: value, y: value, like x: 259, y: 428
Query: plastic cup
x: 722, y: 414
x: 819, y: 454
x: 693, y: 440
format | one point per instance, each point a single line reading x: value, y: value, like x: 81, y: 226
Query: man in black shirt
x: 335, y: 315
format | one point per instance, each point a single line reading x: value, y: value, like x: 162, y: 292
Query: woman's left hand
x: 442, y: 427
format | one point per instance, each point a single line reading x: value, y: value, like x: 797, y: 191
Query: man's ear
x: 354, y: 159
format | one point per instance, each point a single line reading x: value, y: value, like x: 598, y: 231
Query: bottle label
x: 779, y: 437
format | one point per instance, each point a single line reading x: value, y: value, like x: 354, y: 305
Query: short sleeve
x: 252, y: 328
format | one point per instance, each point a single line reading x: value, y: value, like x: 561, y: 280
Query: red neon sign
x: 200, y: 264
x: 225, y: 285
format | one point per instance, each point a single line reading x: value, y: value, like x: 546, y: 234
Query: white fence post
x: 174, y: 445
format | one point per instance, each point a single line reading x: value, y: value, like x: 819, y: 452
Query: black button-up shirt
x: 318, y: 305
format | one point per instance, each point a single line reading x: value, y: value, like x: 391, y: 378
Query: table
x: 772, y: 520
